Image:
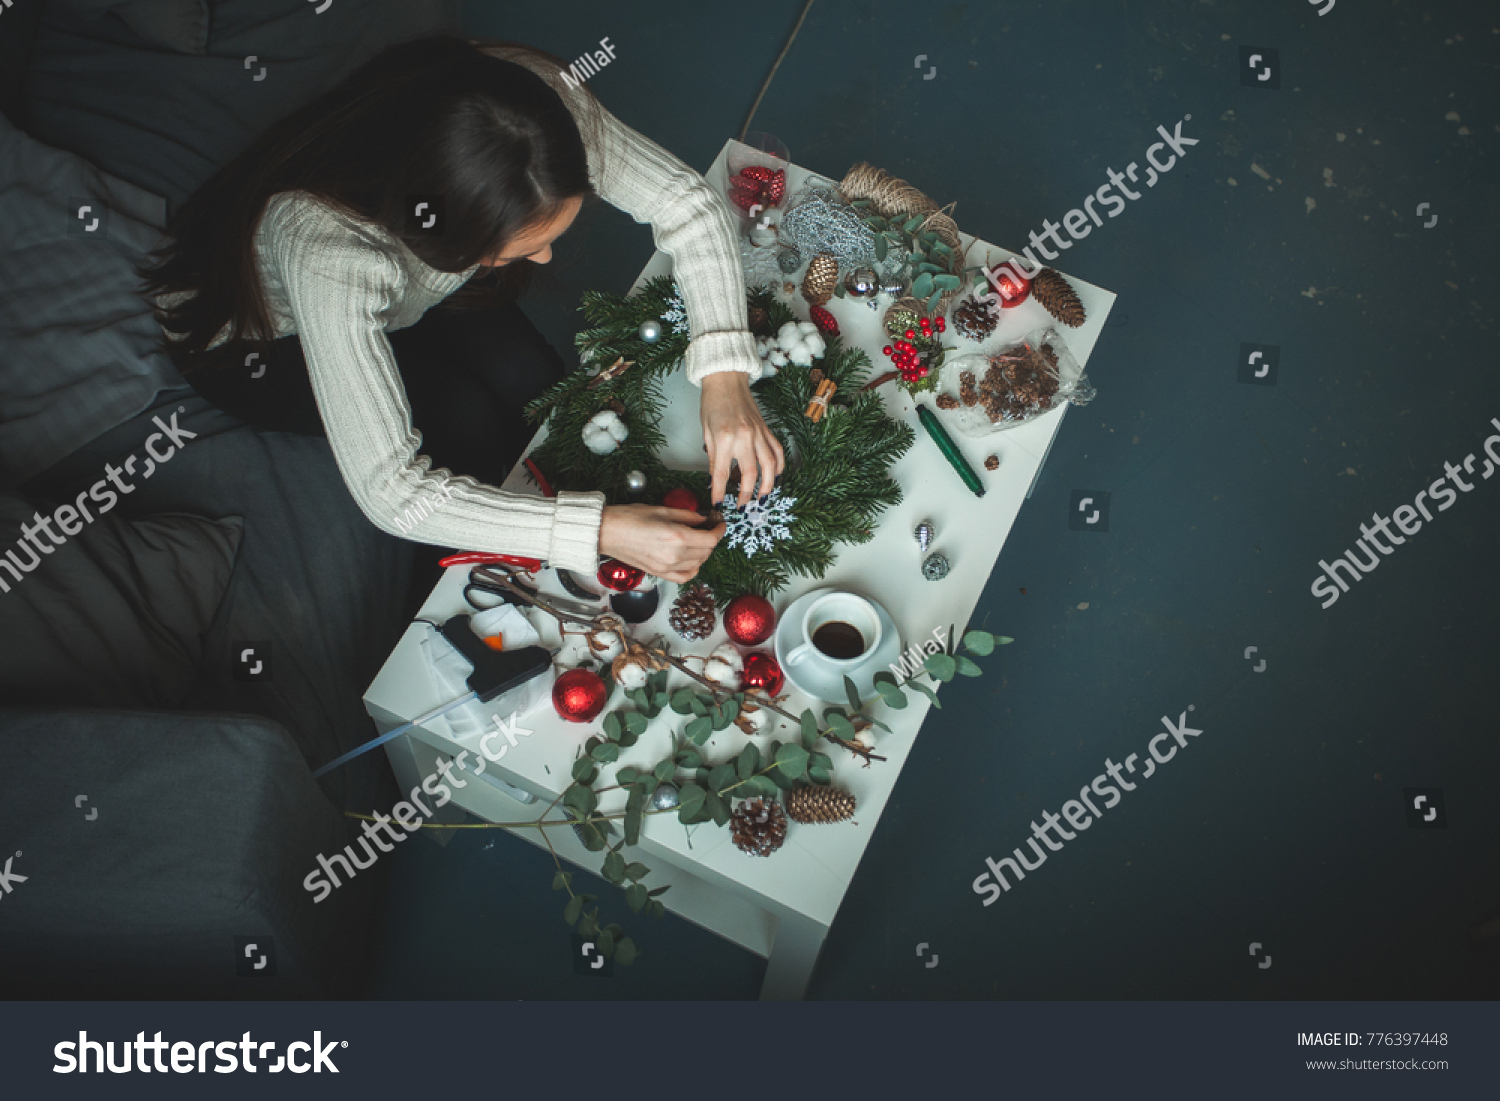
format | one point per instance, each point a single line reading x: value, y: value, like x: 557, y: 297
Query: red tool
x: 477, y: 558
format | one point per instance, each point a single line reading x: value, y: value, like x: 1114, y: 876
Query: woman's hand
x: 659, y: 540
x: 733, y: 429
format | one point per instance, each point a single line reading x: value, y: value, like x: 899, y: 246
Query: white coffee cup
x: 846, y: 608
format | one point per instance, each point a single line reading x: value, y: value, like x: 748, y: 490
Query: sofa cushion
x: 80, y: 344
x: 180, y: 25
x: 116, y: 615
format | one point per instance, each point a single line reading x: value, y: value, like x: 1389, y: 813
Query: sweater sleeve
x: 339, y: 291
x: 690, y: 221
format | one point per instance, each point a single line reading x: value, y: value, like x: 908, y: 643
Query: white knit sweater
x: 342, y: 285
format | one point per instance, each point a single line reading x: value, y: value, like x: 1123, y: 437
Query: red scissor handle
x: 478, y: 558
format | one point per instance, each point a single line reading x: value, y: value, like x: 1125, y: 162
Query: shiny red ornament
x: 620, y: 577
x: 1013, y: 289
x: 824, y: 321
x: 684, y: 499
x: 749, y: 619
x: 578, y: 695
x: 763, y: 671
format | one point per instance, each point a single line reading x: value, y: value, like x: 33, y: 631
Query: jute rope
x: 891, y: 197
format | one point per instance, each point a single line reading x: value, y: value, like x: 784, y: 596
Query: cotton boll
x: 605, y: 645
x: 726, y: 653
x: 633, y: 676
x: 604, y: 432
x: 722, y: 674
x: 757, y: 720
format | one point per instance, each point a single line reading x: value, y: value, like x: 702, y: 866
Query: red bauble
x: 749, y: 619
x: 824, y: 321
x: 578, y: 695
x: 763, y: 671
x: 1013, y: 290
x: 684, y: 499
x: 620, y: 577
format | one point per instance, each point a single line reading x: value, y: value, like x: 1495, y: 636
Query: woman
x: 296, y: 288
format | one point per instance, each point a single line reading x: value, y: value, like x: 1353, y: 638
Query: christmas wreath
x: 603, y: 433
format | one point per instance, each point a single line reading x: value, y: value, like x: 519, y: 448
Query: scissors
x: 487, y: 579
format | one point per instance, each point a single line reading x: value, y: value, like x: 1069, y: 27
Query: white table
x: 779, y: 907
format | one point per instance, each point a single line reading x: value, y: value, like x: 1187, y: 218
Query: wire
x: 769, y: 76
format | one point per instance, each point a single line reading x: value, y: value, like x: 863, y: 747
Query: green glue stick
x: 950, y: 450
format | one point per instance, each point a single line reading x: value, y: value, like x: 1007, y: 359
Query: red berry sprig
x: 908, y: 357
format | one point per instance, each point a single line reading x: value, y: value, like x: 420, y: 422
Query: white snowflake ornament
x: 604, y: 432
x: 675, y: 314
x: 760, y: 524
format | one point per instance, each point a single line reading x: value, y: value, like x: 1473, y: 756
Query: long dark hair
x: 437, y: 116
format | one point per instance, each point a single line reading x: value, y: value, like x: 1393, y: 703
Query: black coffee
x: 839, y: 640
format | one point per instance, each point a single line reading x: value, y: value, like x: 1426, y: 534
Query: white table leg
x: 794, y: 953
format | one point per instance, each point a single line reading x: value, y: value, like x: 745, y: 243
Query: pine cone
x: 760, y: 321
x: 1052, y: 289
x: 758, y: 826
x: 822, y: 274
x: 976, y: 319
x: 693, y: 615
x: 815, y: 803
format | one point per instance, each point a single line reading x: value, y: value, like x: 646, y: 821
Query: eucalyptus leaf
x: 792, y: 760
x: 841, y: 727
x: 851, y: 692
x: 635, y: 897
x: 810, y: 733
x: 979, y: 642
x: 665, y: 770
x: 626, y: 952
x: 607, y: 753
x: 881, y: 248
x: 689, y: 758
x: 682, y: 701
x: 656, y: 909
x: 731, y: 707
x: 749, y: 761
x: 562, y: 880
x: 635, y: 807
x: 584, y: 770
x: 659, y: 890
x: 606, y: 944
x: 966, y: 667
x: 699, y: 729
x: 926, y: 691
x: 818, y: 774
x: 940, y: 666
x: 614, y: 868
x: 698, y: 707
x: 573, y: 909
x: 692, y: 798
x: 758, y: 785
x: 636, y: 723
x: 612, y: 725
x: 722, y: 776
x: 923, y: 285
x: 635, y: 871
x: 627, y: 774
x: 718, y: 806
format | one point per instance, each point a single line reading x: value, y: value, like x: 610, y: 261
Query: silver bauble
x: 650, y: 330
x: 862, y: 283
x: 924, y: 534
x: 665, y: 797
x: 935, y: 567
x: 635, y: 481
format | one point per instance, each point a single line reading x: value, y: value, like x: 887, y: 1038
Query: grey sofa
x: 157, y: 810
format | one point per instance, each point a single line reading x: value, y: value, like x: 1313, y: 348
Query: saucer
x: 828, y: 684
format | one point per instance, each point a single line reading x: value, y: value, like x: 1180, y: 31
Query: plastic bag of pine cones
x: 981, y: 394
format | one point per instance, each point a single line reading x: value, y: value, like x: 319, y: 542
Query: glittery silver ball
x: 924, y: 534
x: 935, y: 567
x: 788, y: 260
x: 862, y: 283
x: 665, y: 797
x: 635, y: 481
x: 650, y: 331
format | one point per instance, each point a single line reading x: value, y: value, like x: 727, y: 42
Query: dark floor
x: 1293, y: 223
